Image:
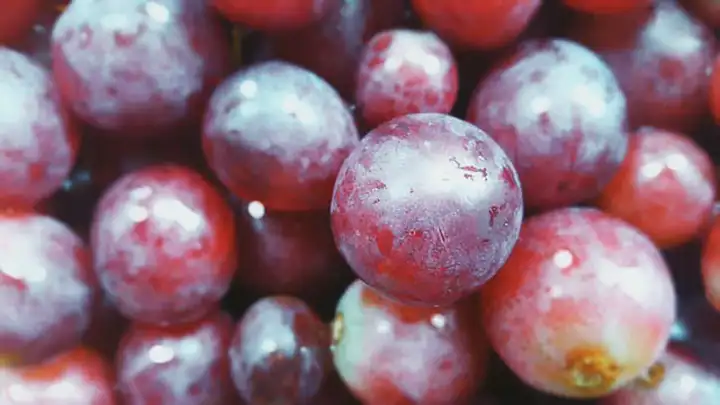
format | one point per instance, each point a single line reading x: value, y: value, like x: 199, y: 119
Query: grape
x: 38, y: 142
x: 558, y: 112
x: 46, y: 287
x: 279, y: 353
x: 665, y: 187
x: 36, y: 44
x: 583, y: 306
x: 76, y: 377
x: 288, y: 253
x: 609, y: 6
x: 403, y: 72
x: 332, y: 48
x: 17, y: 19
x: 138, y: 67
x: 391, y: 353
x: 427, y: 209
x: 477, y: 24
x: 710, y: 265
x: 662, y: 59
x: 682, y: 381
x: 277, y: 133
x: 715, y: 90
x: 706, y: 10
x: 179, y: 365
x: 275, y: 14
x: 164, y: 245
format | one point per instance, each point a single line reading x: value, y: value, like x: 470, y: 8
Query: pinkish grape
x: 389, y: 353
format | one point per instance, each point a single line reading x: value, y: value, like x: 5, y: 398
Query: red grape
x: 76, y: 377
x: 478, y: 24
x: 403, y: 72
x: 17, y: 19
x: 275, y: 14
x: 288, y: 253
x: 138, y: 67
x: 36, y: 44
x: 662, y: 59
x: 332, y: 47
x: 164, y: 245
x: 715, y: 90
x: 609, y: 6
x: 280, y: 353
x: 665, y: 187
x: 179, y: 365
x: 277, y: 133
x: 710, y: 265
x: 583, y: 305
x: 392, y: 354
x: 558, y: 112
x: 38, y: 143
x: 682, y: 382
x: 706, y: 10
x: 46, y: 287
x: 427, y: 208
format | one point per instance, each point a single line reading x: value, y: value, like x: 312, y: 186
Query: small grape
x: 280, y: 353
x: 665, y: 187
x: 178, y: 365
x: 392, y: 353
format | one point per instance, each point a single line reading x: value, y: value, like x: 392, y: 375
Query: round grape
x: 289, y: 253
x: 665, y: 187
x: 558, y: 112
x: 164, y: 246
x: 180, y: 365
x: 47, y: 287
x: 280, y: 353
x: 403, y: 72
x: 38, y: 141
x: 138, y: 67
x: 583, y: 306
x: 391, y: 353
x: 666, y: 85
x: 277, y: 133
x: 426, y: 209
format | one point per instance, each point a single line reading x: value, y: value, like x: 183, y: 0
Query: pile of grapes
x: 379, y: 202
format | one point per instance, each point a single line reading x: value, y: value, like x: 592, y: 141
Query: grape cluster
x: 379, y: 202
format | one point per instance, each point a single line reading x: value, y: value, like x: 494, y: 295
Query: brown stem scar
x: 591, y: 370
x: 652, y: 377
